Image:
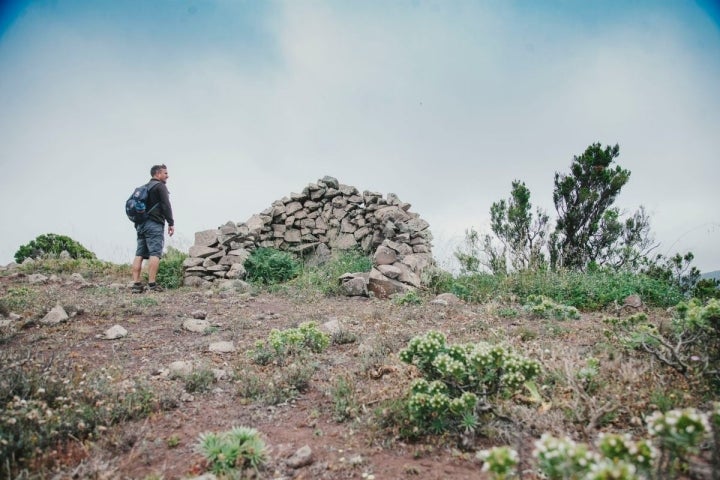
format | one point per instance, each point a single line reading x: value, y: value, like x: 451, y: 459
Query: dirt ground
x: 164, y: 445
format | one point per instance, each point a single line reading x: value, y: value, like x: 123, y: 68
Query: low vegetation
x: 543, y: 370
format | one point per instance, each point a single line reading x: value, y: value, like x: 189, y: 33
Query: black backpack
x: 136, y: 205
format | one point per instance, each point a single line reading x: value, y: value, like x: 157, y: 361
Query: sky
x: 442, y: 102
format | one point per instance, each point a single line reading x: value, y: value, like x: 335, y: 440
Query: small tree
x: 52, y: 244
x: 589, y: 229
x: 522, y: 236
x: 677, y: 270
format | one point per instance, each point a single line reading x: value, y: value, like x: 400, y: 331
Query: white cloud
x: 444, y: 106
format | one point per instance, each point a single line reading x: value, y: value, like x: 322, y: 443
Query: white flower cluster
x: 499, y: 460
x: 681, y: 428
x: 609, y: 470
x: 617, y: 447
x: 563, y: 457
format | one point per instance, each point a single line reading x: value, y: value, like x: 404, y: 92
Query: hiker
x: 150, y: 233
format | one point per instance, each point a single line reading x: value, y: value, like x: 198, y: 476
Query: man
x: 150, y: 234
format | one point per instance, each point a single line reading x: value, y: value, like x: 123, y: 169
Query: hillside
x: 714, y: 274
x: 341, y: 403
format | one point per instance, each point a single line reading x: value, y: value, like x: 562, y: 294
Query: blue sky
x: 444, y: 103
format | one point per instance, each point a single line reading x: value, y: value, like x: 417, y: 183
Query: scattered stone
x: 55, y: 316
x: 77, y: 278
x: 331, y: 326
x: 301, y: 458
x: 633, y: 301
x: 446, y: 299
x: 37, y: 278
x: 115, y: 332
x: 219, y: 373
x: 196, y: 326
x: 222, y: 347
x: 354, y: 285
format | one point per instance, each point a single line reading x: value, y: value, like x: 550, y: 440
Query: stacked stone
x: 325, y: 216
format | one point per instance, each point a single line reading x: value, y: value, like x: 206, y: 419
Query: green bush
x: 51, y: 244
x: 543, y: 307
x: 17, y: 299
x: 673, y: 439
x: 582, y: 290
x: 89, y: 268
x: 271, y: 266
x: 170, y: 271
x: 325, y: 277
x: 43, y: 406
x: 410, y: 297
x: 690, y: 344
x: 282, y: 344
x: 457, y: 378
x: 238, y: 448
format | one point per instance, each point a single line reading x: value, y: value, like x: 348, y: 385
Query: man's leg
x: 153, y: 266
x: 136, y: 269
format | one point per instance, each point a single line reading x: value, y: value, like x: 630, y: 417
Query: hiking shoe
x: 137, y: 288
x: 154, y: 287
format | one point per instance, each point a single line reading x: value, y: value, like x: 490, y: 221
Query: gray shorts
x: 150, y: 239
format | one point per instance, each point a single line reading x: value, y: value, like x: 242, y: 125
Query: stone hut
x: 326, y: 216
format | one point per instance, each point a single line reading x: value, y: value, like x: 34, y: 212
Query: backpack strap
x: 150, y: 187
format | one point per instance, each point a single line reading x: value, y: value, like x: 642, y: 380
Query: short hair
x: 157, y: 168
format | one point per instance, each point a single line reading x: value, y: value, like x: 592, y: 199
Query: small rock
x: 301, y: 458
x: 37, y: 278
x: 199, y: 314
x: 332, y: 326
x: 55, y: 316
x: 222, y: 347
x: 633, y: 301
x: 115, y: 332
x: 446, y: 299
x: 77, y: 278
x: 197, y: 326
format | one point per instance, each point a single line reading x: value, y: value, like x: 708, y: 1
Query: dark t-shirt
x: 160, y: 196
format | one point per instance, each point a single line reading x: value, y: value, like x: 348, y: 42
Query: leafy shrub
x: 52, y: 244
x: 16, y: 299
x: 324, y: 278
x: 199, y: 381
x: 292, y: 341
x: 691, y: 344
x: 344, y: 403
x: 410, y: 297
x: 588, y: 291
x: 270, y: 266
x: 170, y: 271
x: 673, y: 437
x: 225, y: 452
x: 541, y: 306
x: 499, y: 461
x: 706, y: 289
x: 437, y: 280
x: 271, y: 387
x: 42, y: 405
x: 458, y: 377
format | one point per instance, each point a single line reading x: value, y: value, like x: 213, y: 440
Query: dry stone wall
x: 326, y: 216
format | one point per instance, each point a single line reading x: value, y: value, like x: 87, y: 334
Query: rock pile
x: 325, y: 216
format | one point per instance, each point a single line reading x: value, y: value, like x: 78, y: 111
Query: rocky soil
x: 368, y: 334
